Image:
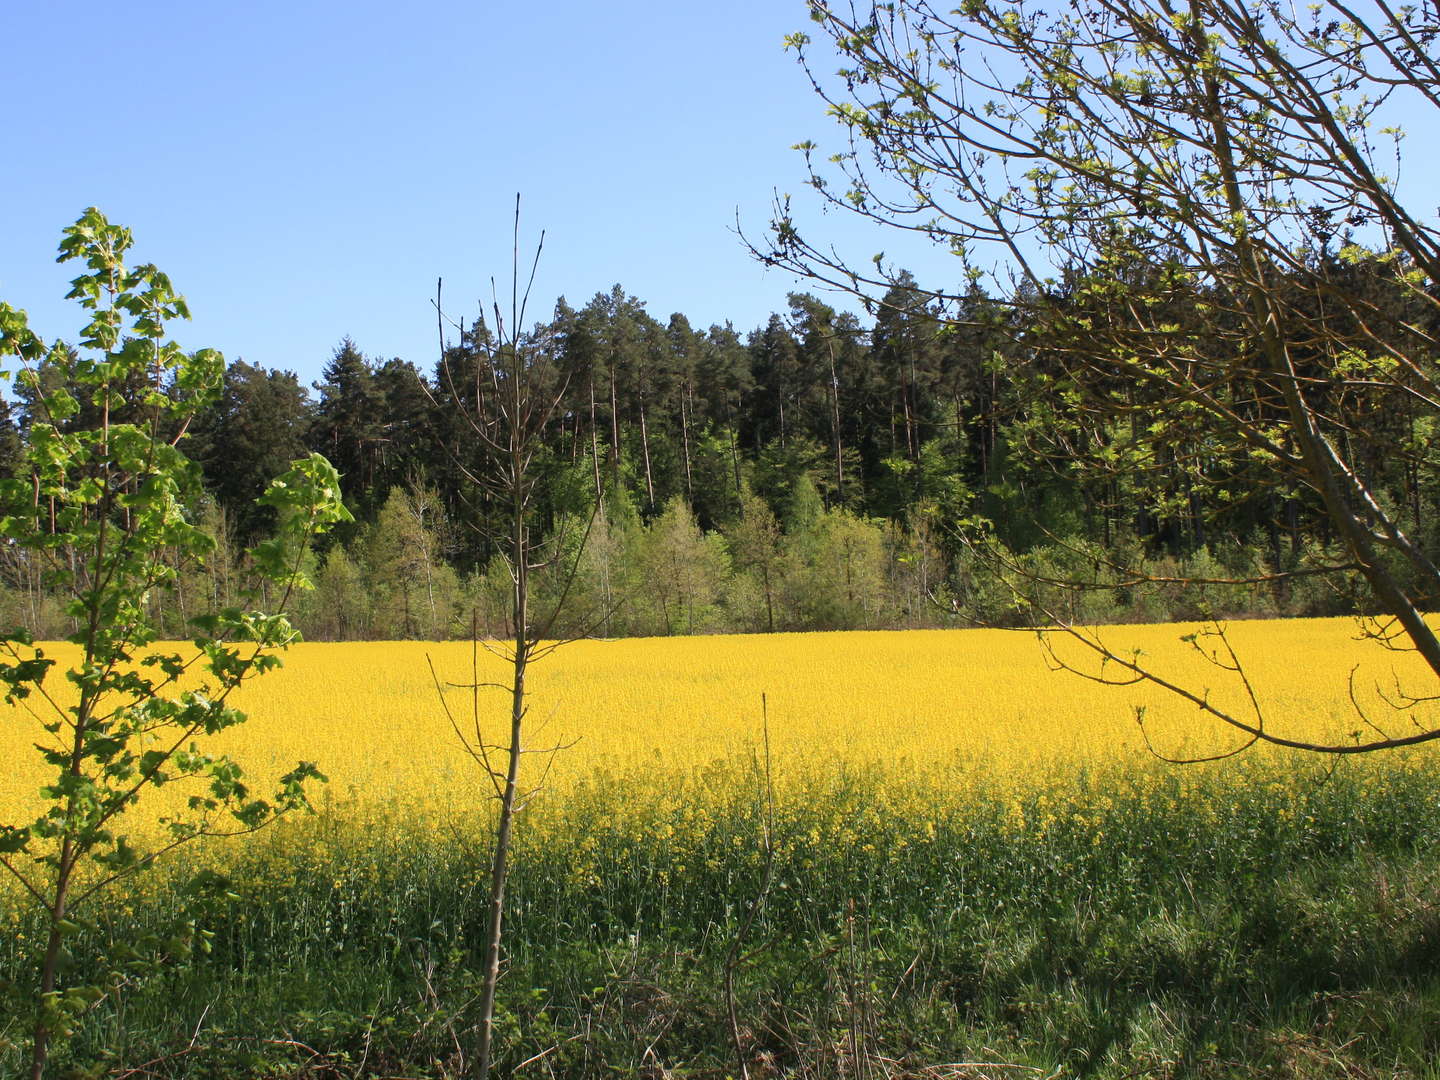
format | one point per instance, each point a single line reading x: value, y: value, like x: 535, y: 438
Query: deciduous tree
x: 1233, y: 151
x: 96, y: 503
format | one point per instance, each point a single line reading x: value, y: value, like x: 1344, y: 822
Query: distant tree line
x: 816, y: 473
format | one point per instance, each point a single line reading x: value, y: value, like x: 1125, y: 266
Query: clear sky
x: 306, y: 170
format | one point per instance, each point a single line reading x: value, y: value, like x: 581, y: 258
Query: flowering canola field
x: 942, y: 714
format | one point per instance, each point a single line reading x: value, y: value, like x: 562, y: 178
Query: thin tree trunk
x: 40, y: 1044
x: 906, y: 393
x: 614, y: 435
x: 69, y: 852
x: 780, y: 407
x: 734, y: 427
x: 500, y: 865
x: 595, y: 447
x: 735, y: 457
x: 645, y: 451
x: 427, y: 562
x: 685, y: 442
x: 520, y: 610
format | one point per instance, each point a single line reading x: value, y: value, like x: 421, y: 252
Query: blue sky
x: 304, y: 171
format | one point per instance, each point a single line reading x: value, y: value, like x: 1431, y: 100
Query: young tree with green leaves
x: 412, y: 587
x: 758, y: 550
x: 340, y: 606
x: 92, y: 504
x: 840, y: 584
x: 684, y: 570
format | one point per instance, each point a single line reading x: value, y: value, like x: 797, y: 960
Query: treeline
x: 816, y: 473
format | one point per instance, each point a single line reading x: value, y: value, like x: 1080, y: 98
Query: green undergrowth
x: 1198, y: 924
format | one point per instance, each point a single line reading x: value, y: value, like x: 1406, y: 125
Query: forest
x: 816, y: 473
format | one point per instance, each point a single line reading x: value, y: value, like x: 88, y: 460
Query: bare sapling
x: 507, y: 399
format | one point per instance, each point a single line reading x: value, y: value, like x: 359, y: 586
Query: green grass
x: 1231, y: 929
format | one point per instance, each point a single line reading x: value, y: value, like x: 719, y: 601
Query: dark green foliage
x: 249, y: 436
x: 349, y: 426
x: 969, y: 417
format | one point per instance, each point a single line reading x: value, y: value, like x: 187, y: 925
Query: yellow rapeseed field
x: 946, y: 710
